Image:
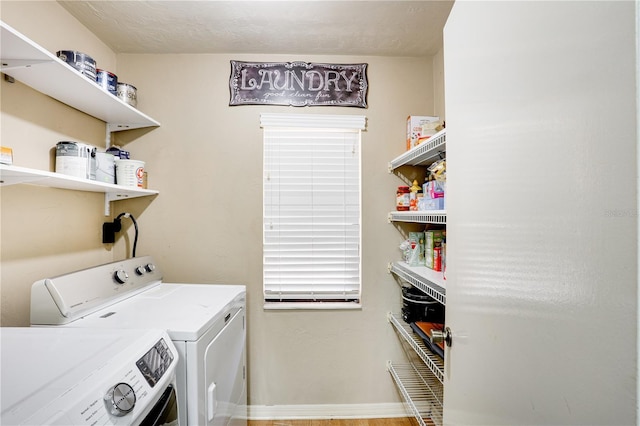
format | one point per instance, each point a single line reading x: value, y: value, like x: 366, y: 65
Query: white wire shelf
x: 424, y: 154
x: 38, y: 68
x: 421, y: 391
x: 425, y: 279
x: 434, y: 363
x: 438, y: 217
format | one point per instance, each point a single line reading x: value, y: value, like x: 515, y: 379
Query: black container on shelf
x: 418, y: 306
x: 80, y: 61
x: 108, y: 81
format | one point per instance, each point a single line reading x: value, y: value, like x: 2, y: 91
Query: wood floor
x: 400, y: 421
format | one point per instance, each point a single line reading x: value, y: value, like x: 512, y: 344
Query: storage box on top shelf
x: 420, y: 128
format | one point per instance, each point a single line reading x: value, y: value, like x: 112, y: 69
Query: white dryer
x: 206, y: 323
x: 69, y: 376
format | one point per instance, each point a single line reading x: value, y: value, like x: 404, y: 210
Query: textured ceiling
x: 322, y: 27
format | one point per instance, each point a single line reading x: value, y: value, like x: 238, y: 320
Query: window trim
x: 302, y: 306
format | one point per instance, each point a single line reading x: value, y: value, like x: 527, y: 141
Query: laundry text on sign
x: 298, y: 84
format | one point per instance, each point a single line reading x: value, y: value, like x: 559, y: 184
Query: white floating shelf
x: 424, y: 154
x: 12, y: 175
x: 38, y: 68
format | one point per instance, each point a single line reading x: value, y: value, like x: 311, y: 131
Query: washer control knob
x: 120, y: 399
x: 140, y: 270
x: 150, y: 267
x: 120, y: 276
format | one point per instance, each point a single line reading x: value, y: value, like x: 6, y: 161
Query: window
x: 311, y: 217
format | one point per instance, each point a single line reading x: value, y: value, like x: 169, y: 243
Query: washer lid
x: 186, y: 311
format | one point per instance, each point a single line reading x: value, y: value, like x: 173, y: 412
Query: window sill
x: 311, y: 306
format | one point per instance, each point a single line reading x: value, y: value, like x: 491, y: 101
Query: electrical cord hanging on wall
x: 135, y: 225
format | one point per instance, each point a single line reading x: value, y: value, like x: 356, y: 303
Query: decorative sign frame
x: 298, y: 84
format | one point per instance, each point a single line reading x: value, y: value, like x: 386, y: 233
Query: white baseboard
x: 327, y: 411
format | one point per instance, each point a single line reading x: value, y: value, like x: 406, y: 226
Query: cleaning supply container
x: 129, y: 172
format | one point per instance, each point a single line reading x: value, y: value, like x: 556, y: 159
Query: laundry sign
x: 298, y: 84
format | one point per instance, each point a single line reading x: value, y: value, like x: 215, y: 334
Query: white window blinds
x: 311, y: 226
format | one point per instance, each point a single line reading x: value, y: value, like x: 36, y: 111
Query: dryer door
x: 225, y: 401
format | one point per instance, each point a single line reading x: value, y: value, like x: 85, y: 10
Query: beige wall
x: 438, y: 84
x: 45, y: 231
x: 205, y: 225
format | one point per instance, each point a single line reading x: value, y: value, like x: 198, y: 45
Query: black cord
x: 135, y: 226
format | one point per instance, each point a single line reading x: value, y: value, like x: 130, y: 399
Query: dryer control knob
x: 150, y: 267
x: 140, y: 270
x: 120, y: 276
x: 120, y: 399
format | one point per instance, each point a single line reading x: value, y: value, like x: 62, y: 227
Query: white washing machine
x: 65, y: 376
x: 206, y: 323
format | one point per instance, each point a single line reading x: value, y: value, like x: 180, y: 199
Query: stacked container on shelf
x: 86, y: 65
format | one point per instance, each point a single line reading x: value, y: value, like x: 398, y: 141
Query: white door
x: 542, y: 218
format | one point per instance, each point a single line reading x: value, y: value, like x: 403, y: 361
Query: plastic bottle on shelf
x: 425, y: 186
x: 402, y: 198
x: 414, y: 195
x: 444, y: 258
